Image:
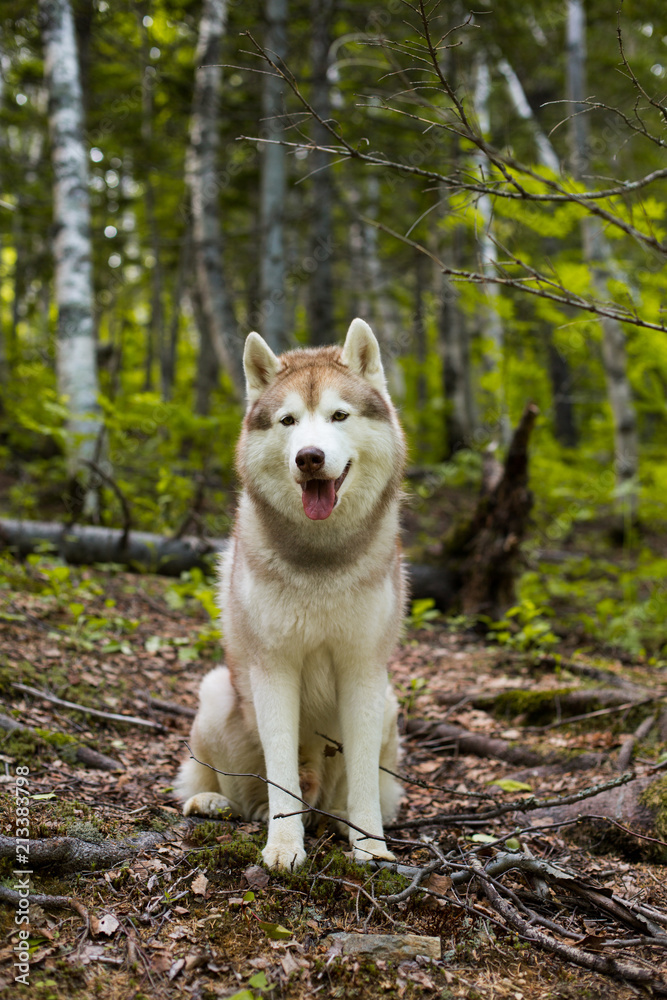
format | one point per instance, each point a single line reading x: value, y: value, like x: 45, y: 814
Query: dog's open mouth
x: 320, y: 496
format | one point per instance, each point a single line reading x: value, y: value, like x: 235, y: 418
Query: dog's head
x: 320, y: 432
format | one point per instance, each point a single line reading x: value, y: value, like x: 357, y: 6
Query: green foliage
x: 623, y: 605
x: 422, y: 612
x: 524, y: 627
x: 407, y: 695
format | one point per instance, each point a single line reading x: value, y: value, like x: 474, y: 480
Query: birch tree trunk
x: 598, y: 255
x: 492, y: 325
x: 202, y: 168
x: 320, y: 286
x: 383, y: 311
x: 493, y: 329
x: 273, y: 185
x: 76, y: 360
x: 560, y: 375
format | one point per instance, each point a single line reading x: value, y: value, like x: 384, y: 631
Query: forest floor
x: 195, y: 916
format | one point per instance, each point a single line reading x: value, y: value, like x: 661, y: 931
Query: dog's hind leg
x: 202, y: 788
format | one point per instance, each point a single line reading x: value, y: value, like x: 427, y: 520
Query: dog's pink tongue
x: 319, y: 497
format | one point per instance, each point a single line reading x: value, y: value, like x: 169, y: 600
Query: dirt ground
x: 195, y: 915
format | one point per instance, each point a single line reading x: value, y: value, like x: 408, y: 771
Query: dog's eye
x: 340, y: 415
x: 287, y: 420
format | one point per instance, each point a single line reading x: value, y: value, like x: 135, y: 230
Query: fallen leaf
x: 275, y: 931
x: 510, y: 785
x: 178, y: 933
x: 176, y: 968
x: 108, y: 924
x: 161, y: 963
x: 256, y: 877
x: 439, y: 883
x: 194, y: 960
x: 199, y: 884
x: 289, y: 963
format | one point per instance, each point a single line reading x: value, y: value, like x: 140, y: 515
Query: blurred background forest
x: 487, y: 190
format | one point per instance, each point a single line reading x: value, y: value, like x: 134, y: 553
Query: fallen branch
x: 85, y: 755
x: 464, y: 741
x: 12, y: 897
x: 629, y: 744
x: 170, y: 707
x: 86, y: 544
x: 113, y: 716
x: 70, y: 854
x: 518, y: 805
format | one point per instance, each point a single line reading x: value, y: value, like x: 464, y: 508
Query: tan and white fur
x: 311, y: 596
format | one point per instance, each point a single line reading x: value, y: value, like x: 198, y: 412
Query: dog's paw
x: 289, y: 855
x: 371, y: 850
x: 207, y: 804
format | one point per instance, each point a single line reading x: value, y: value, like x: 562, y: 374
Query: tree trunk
x: 597, y: 254
x: 155, y: 327
x: 202, y: 168
x: 479, y: 558
x: 455, y: 347
x: 77, y: 372
x: 559, y: 370
x: 382, y: 306
x: 420, y: 349
x: 491, y: 325
x: 320, y: 285
x: 207, y: 363
x: 273, y: 185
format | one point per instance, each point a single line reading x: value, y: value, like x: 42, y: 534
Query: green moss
x: 56, y: 739
x: 24, y: 746
x: 655, y: 798
x: 535, y: 707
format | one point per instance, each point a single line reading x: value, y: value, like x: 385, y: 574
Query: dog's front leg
x: 276, y: 700
x: 361, y: 715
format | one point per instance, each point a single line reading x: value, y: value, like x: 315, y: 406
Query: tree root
x: 70, y: 854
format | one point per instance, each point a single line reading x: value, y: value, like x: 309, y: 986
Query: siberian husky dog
x: 312, y: 596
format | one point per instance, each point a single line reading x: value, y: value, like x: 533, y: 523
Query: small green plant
x: 422, y: 613
x: 193, y: 584
x: 408, y: 694
x: 524, y: 627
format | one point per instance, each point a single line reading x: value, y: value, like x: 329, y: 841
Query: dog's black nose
x: 310, y: 460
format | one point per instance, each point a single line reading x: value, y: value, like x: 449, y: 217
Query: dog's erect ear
x: 260, y: 365
x: 361, y: 353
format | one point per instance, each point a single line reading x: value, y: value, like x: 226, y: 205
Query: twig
x: 113, y: 716
x: 519, y: 805
x: 170, y: 707
x: 625, y: 829
x: 439, y: 788
x: 12, y: 897
x: 567, y: 297
x: 593, y: 715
